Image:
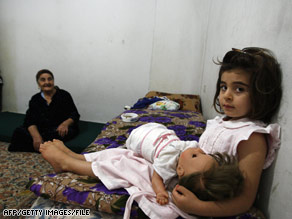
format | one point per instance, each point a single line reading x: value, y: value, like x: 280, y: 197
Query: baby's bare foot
x: 56, y: 157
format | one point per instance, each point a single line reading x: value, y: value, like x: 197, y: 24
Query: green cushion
x: 8, y: 122
x: 88, y: 130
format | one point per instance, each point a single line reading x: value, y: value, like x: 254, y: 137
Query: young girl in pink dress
x: 248, y: 93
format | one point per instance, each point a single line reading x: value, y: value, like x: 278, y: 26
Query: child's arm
x: 251, y: 156
x: 159, y: 189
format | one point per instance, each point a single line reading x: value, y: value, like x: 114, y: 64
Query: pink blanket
x: 122, y: 168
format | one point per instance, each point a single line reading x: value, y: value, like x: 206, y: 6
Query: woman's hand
x: 36, y: 137
x: 62, y: 129
x: 37, y: 141
x: 184, y: 199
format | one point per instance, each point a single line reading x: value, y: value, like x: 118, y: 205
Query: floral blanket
x: 89, y: 192
x: 82, y: 191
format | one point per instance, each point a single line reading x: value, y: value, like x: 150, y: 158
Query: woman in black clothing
x: 52, y: 114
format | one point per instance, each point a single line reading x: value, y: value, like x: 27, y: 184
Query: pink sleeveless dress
x: 224, y: 136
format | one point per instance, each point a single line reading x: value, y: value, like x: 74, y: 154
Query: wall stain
x: 275, y: 188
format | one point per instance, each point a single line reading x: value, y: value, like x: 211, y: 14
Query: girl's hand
x: 162, y: 198
x: 184, y: 199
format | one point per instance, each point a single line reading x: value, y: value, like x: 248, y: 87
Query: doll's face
x: 193, y: 160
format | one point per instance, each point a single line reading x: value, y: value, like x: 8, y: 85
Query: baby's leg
x: 62, y: 162
x: 63, y: 147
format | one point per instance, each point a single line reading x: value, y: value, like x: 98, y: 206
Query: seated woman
x: 52, y: 114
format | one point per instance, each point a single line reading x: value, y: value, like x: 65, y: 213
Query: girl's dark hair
x: 265, y: 80
x: 43, y: 71
x: 220, y: 182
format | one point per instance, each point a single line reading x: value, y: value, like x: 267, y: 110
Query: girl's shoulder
x: 242, y: 129
x: 237, y: 124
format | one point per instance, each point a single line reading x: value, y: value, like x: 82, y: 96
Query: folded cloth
x: 145, y: 102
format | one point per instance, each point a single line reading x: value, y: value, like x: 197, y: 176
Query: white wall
x: 108, y: 53
x: 100, y: 51
x: 263, y: 23
x: 178, y: 46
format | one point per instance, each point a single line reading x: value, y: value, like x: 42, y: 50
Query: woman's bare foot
x: 60, y: 144
x: 56, y: 157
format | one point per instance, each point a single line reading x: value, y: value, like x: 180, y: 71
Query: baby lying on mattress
x: 153, y: 163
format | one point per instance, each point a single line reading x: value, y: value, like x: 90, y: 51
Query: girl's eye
x: 239, y: 89
x: 223, y: 88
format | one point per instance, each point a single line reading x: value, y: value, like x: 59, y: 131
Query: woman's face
x: 46, y: 82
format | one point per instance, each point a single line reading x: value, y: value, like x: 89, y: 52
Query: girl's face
x: 234, y: 94
x: 193, y: 160
x: 46, y: 82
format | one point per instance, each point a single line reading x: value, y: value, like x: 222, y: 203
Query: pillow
x: 165, y: 105
x: 186, y: 101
